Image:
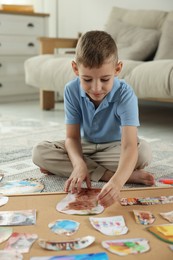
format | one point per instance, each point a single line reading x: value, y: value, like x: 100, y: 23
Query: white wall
x: 81, y: 15
x: 69, y: 17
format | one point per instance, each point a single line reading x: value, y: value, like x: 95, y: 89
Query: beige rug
x: 17, y: 137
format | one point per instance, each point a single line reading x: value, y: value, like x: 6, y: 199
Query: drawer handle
x: 30, y: 25
x: 1, y: 85
x: 31, y: 44
x: 0, y: 65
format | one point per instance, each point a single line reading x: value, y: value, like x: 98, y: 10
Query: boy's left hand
x: 74, y: 182
x: 109, y: 194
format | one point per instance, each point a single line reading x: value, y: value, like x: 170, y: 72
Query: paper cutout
x: 64, y: 227
x: 168, y: 216
x: 21, y: 242
x: 162, y: 232
x: 110, y: 226
x: 83, y: 203
x: 126, y: 246
x: 20, y: 186
x: 93, y: 256
x: 144, y: 217
x: 18, y: 218
x: 1, y: 176
x: 3, y: 200
x: 10, y: 255
x: 171, y: 247
x: 5, y: 233
x: 76, y: 244
x: 146, y: 200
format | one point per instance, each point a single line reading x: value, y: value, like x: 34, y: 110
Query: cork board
x: 45, y: 204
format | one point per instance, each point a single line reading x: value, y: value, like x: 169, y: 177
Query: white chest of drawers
x: 18, y: 42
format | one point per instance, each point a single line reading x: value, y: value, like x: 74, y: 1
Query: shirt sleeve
x: 71, y: 104
x: 128, y: 107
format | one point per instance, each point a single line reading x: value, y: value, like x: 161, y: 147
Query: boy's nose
x: 97, y: 86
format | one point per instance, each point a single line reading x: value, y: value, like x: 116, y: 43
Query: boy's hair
x: 94, y: 47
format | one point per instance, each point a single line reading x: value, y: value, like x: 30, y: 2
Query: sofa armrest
x: 48, y: 45
x: 153, y: 80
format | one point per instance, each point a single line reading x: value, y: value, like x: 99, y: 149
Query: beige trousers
x: 53, y: 157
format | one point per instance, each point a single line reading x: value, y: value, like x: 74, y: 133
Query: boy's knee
x: 144, y: 154
x: 37, y: 153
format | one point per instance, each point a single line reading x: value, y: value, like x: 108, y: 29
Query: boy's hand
x: 74, y: 182
x: 109, y: 194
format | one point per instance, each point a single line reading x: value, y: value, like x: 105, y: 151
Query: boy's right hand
x: 74, y: 182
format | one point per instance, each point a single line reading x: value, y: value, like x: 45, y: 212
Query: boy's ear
x: 75, y: 68
x: 118, y: 68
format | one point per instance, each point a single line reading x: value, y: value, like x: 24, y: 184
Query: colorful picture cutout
x: 168, y: 216
x: 144, y: 217
x: 162, y: 232
x: 5, y: 233
x: 1, y: 176
x: 92, y: 256
x: 146, y: 200
x: 171, y: 247
x: 64, y: 227
x: 20, y: 186
x: 21, y: 242
x: 76, y: 244
x: 83, y: 203
x: 10, y: 255
x: 125, y: 247
x: 18, y: 218
x: 111, y: 226
x: 3, y: 200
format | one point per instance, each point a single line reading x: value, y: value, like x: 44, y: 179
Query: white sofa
x: 145, y: 44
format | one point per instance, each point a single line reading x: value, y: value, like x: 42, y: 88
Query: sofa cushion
x: 165, y: 48
x: 150, y: 19
x: 133, y: 42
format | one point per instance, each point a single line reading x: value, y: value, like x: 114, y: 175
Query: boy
x: 101, y: 116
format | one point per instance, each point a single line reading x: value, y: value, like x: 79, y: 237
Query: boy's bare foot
x: 141, y: 176
x: 138, y: 176
x: 45, y: 171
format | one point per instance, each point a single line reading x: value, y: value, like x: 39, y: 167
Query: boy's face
x: 97, y: 82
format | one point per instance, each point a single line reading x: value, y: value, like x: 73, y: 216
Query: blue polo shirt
x: 102, y: 124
